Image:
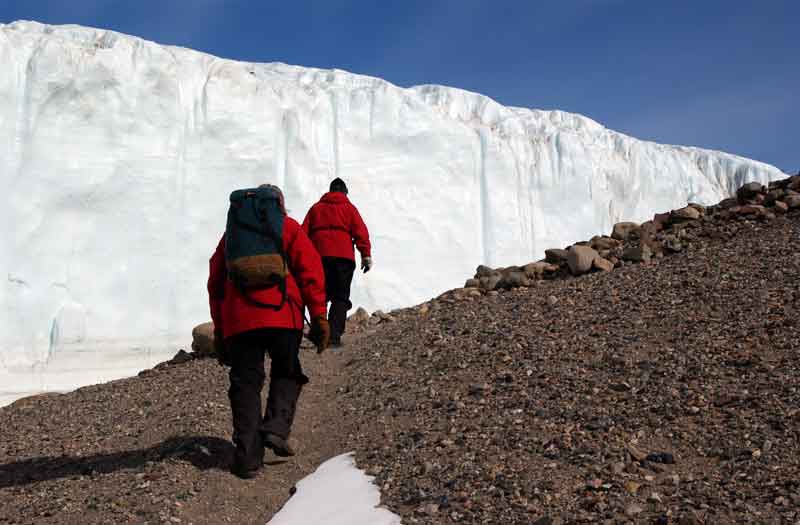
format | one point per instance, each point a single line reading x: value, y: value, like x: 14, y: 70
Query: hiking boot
x: 335, y: 343
x: 244, y: 473
x: 278, y: 445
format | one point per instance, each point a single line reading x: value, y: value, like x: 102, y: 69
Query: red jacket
x: 234, y: 314
x: 334, y: 224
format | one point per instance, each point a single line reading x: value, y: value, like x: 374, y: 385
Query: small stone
x: 624, y: 230
x: 477, y: 389
x: 699, y: 207
x: 547, y: 520
x: 792, y: 201
x: 654, y: 497
x: 728, y: 203
x: 672, y: 243
x: 780, y: 207
x: 660, y: 221
x: 631, y: 487
x: 580, y: 259
x: 514, y: 278
x: 687, y: 213
x: 636, y: 454
x: 640, y: 253
x: 490, y: 282
x: 203, y: 339
x: 552, y: 300
x: 751, y: 209
x: 472, y: 283
x: 535, y: 269
x: 661, y: 457
x: 360, y: 316
x: 556, y: 256
x: 604, y: 243
x: 181, y: 357
x: 633, y: 509
x: 483, y: 271
x: 772, y: 196
x: 749, y: 191
x: 602, y: 264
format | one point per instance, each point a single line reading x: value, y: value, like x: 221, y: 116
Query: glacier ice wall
x: 118, y: 155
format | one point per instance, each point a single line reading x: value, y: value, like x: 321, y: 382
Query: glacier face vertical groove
x: 119, y: 155
x: 485, y: 217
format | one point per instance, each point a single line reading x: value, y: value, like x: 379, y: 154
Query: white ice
x: 117, y: 156
x: 337, y: 493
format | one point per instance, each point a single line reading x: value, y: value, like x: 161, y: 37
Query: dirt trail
x: 149, y: 449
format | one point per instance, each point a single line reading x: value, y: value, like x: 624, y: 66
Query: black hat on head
x: 338, y: 184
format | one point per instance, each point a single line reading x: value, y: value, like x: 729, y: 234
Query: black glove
x: 320, y: 333
x: 366, y: 264
x: 221, y: 349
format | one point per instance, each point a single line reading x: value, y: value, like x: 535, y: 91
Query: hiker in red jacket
x: 333, y: 224
x: 249, y: 330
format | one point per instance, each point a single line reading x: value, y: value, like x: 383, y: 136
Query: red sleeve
x: 360, y: 233
x: 306, y: 267
x: 216, y: 283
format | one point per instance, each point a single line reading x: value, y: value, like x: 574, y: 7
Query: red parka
x: 305, y: 286
x: 333, y: 224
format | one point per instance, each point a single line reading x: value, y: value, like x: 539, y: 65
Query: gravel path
x: 153, y: 449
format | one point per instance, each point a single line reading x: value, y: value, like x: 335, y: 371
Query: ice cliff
x: 117, y: 156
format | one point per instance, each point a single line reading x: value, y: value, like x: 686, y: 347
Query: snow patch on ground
x: 337, y: 493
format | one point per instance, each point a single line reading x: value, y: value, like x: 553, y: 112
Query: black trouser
x: 286, y: 380
x: 338, y: 276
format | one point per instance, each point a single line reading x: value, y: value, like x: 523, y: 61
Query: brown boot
x: 278, y: 445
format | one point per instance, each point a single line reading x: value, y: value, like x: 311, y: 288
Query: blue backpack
x: 254, y: 253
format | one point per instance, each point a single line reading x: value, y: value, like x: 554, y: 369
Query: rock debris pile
x: 631, y: 243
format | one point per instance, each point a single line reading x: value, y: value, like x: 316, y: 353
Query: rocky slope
x: 665, y: 391
x: 662, y: 392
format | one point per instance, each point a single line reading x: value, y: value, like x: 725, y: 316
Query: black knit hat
x: 338, y: 184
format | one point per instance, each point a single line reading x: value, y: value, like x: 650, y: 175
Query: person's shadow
x: 204, y: 452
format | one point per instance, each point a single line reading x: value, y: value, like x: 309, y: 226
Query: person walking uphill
x: 334, y: 224
x: 263, y: 274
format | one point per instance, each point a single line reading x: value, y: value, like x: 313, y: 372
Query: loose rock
x: 203, y: 340
x: 624, y: 230
x: 580, y: 259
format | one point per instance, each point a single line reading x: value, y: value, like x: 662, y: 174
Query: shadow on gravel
x: 204, y: 452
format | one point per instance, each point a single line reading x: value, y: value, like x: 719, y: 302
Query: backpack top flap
x: 253, y: 238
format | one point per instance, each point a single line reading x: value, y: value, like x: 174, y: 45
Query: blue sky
x: 717, y: 74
